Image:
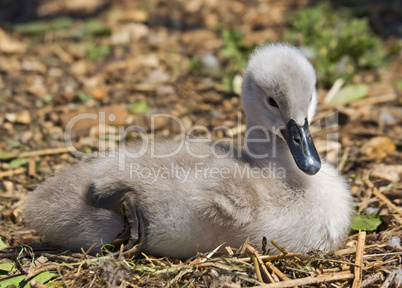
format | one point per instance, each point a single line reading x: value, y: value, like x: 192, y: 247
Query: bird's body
x: 205, y: 194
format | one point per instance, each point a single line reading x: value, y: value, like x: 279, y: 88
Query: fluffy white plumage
x: 299, y: 211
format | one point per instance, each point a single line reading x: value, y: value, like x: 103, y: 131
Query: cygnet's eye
x: 272, y: 102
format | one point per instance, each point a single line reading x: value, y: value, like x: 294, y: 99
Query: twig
x: 206, y: 257
x: 388, y: 97
x: 62, y: 276
x: 210, y: 254
x: 149, y: 260
x: 322, y: 115
x: 49, y: 151
x: 11, y: 173
x: 181, y: 274
x: 382, y: 254
x: 248, y: 259
x: 279, y: 247
x: 275, y: 270
x: 352, y: 250
x: 43, y: 152
x: 392, y: 195
x: 341, y: 262
x: 93, y: 280
x: 31, y: 167
x: 310, y: 280
x: 392, y: 280
x: 67, y: 259
x: 87, y: 252
x: 384, y: 198
x: 244, y: 246
x: 229, y: 250
x: 10, y: 196
x: 343, y: 159
x: 371, y: 279
x: 63, y: 55
x: 273, y: 258
x: 257, y: 269
x: 37, y: 270
x: 253, y: 251
x: 359, y: 260
x: 373, y: 265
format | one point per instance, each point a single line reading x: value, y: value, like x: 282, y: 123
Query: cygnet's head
x: 279, y: 94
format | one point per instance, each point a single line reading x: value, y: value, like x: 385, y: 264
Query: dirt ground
x: 137, y: 58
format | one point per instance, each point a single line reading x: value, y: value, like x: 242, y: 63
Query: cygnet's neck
x: 267, y: 150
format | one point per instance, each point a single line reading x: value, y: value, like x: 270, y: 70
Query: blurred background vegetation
x: 341, y: 38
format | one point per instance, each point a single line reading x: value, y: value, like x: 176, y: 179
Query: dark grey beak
x: 302, y: 147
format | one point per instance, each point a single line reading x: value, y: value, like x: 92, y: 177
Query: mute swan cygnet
x: 303, y: 209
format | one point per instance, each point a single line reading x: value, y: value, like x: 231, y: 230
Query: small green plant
x: 340, y: 44
x: 97, y: 52
x: 107, y: 248
x: 36, y: 28
x: 92, y: 50
x: 82, y: 96
x: 194, y: 65
x: 138, y: 107
x: 237, y: 53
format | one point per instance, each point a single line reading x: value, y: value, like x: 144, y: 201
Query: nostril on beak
x: 297, y: 140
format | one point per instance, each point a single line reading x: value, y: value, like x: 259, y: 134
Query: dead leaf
x: 98, y: 93
x: 134, y: 15
x: 84, y: 119
x: 378, y: 148
x: 8, y: 186
x: 88, y: 6
x: 23, y: 117
x: 198, y: 37
x: 9, y: 45
x: 392, y: 173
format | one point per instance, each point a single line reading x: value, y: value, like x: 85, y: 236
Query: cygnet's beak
x: 302, y: 147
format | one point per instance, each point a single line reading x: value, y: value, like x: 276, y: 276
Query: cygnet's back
x: 59, y: 210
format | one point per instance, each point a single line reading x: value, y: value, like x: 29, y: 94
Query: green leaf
x: 18, y: 163
x: 15, y: 144
x: 94, y: 27
x: 7, y: 155
x: 366, y: 222
x: 138, y: 107
x: 33, y: 28
x: 2, y: 245
x: 349, y: 94
x: 62, y: 23
x: 55, y: 283
x: 84, y: 97
x: 43, y: 277
x: 108, y: 248
x: 194, y: 64
x: 97, y: 52
x: 19, y: 281
x: 48, y: 98
x: 7, y: 266
x: 399, y: 84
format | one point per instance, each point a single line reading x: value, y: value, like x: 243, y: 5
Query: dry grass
x: 43, y: 77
